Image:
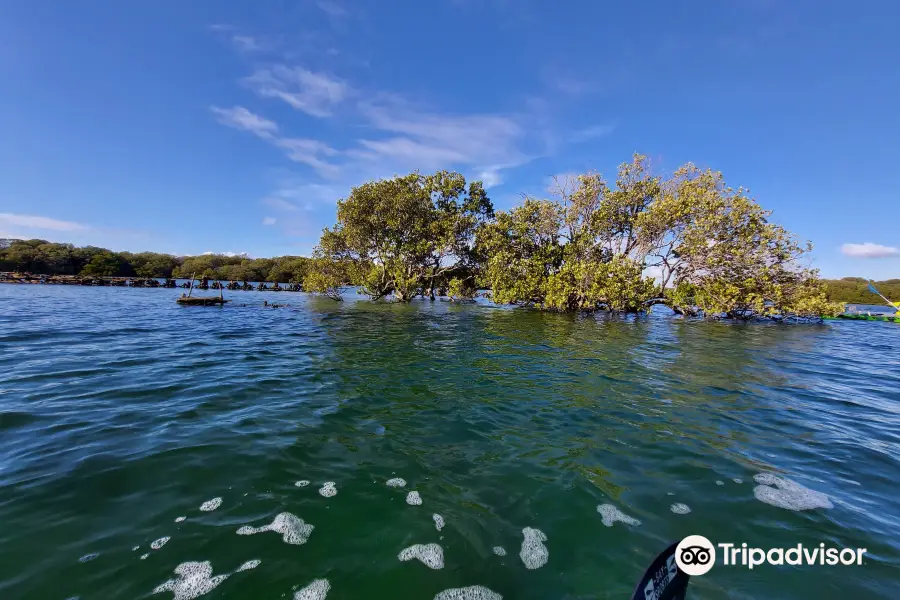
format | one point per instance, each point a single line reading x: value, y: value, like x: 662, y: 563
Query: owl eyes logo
x: 695, y: 555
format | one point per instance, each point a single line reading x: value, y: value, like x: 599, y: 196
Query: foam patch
x: 396, y: 482
x: 788, y: 494
x: 292, y: 528
x: 157, y: 544
x: 430, y: 555
x: 211, y: 505
x: 194, y: 579
x: 475, y: 592
x: 250, y: 564
x: 738, y: 480
x: 179, y: 519
x: 719, y: 482
x: 534, y: 553
x: 328, y: 490
x: 317, y: 590
x: 499, y: 550
x: 680, y: 508
x: 610, y: 514
x: 135, y: 549
x: 301, y: 483
x: 89, y: 557
x: 414, y: 499
x: 144, y: 556
x: 438, y: 521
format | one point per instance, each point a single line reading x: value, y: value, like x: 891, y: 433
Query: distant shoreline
x: 147, y: 282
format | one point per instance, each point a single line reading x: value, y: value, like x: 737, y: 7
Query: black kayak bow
x: 663, y: 580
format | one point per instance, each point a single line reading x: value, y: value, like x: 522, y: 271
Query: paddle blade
x: 663, y: 580
x: 873, y: 290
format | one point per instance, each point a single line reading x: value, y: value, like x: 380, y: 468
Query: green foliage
x: 325, y: 275
x: 106, y: 264
x: 523, y: 250
x: 290, y: 269
x: 462, y: 288
x: 740, y: 264
x: 854, y: 290
x: 714, y: 248
x: 47, y: 258
x: 151, y: 264
x: 617, y: 285
x: 403, y: 236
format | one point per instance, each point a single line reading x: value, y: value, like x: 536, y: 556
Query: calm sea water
x: 121, y: 412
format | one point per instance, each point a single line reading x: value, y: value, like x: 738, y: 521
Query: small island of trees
x: 687, y: 241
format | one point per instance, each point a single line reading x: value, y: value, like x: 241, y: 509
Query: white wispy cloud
x: 594, y: 131
x: 304, y: 151
x: 36, y: 222
x: 316, y: 94
x: 248, y: 43
x: 333, y: 9
x: 491, y: 177
x: 229, y: 254
x: 268, y: 220
x: 869, y: 250
x: 427, y: 139
x: 239, y: 117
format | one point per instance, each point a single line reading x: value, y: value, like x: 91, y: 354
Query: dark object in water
x: 188, y: 300
x: 663, y: 580
x: 201, y: 301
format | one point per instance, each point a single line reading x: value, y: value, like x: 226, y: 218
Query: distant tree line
x: 590, y: 246
x: 49, y: 258
x: 854, y: 290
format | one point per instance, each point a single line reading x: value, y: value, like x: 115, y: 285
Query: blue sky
x: 198, y: 126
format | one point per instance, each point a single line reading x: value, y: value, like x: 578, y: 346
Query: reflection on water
x: 567, y: 440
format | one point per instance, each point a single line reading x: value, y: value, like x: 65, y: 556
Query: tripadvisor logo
x: 696, y: 555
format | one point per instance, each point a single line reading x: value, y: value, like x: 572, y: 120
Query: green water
x: 120, y: 411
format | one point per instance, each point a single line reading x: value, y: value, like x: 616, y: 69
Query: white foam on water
x: 89, y: 557
x: 144, y: 556
x: 292, y: 528
x: 250, y: 564
x: 194, y: 580
x: 679, y: 508
x: 610, y: 514
x: 157, y: 544
x: 474, y: 592
x: 438, y: 521
x: 135, y: 549
x: 430, y: 555
x: 328, y: 490
x: 738, y: 480
x: 301, y: 483
x: 499, y: 550
x: 414, y: 499
x: 210, y: 505
x: 317, y: 590
x: 788, y: 494
x: 180, y: 519
x: 396, y: 482
x: 534, y: 553
x: 670, y: 493
x: 719, y: 482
